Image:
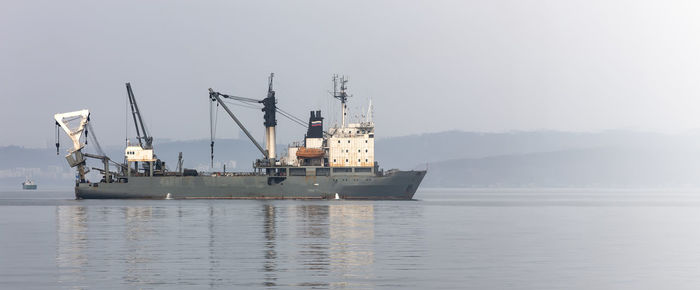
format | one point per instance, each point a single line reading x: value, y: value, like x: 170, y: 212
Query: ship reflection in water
x: 249, y: 244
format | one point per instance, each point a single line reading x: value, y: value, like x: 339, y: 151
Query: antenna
x: 269, y: 86
x: 370, y: 111
x: 341, y: 95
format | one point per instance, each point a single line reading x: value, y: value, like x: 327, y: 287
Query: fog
x: 428, y: 66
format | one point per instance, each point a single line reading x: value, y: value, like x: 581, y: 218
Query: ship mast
x: 341, y: 95
x: 269, y: 107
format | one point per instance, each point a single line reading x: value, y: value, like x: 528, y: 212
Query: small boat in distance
x: 28, y: 184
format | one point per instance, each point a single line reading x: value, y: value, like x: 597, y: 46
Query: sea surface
x: 446, y: 239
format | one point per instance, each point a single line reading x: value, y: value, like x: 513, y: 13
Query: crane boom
x: 145, y: 141
x: 216, y: 96
x: 270, y: 110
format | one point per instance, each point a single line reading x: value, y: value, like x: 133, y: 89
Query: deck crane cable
x: 291, y: 118
x: 86, y: 130
x: 239, y: 101
x: 101, y: 153
x: 213, y: 121
x: 94, y: 140
x: 244, y: 100
x: 58, y: 140
x: 243, y: 104
x: 297, y: 119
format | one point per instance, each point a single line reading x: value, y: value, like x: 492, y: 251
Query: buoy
x: 337, y: 196
x: 168, y: 196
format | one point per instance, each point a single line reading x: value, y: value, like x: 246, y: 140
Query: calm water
x: 448, y: 239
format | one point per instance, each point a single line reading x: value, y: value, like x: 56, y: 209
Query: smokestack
x: 315, y: 129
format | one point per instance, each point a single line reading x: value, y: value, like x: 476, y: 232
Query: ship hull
x: 398, y: 185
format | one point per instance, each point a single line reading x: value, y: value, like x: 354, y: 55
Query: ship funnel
x: 315, y: 129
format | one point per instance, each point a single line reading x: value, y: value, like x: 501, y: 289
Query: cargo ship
x: 337, y: 163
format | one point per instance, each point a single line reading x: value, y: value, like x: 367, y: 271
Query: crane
x: 270, y: 110
x: 145, y: 140
x: 144, y: 151
x: 75, y: 157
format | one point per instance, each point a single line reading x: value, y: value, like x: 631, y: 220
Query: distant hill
x: 408, y: 151
x: 600, y: 167
x: 513, y: 159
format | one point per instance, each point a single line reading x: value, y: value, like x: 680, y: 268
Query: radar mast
x: 341, y: 95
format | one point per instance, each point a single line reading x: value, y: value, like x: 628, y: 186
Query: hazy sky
x: 428, y: 66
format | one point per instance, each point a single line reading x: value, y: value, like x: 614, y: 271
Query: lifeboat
x: 304, y: 152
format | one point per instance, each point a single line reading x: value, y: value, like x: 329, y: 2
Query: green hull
x: 397, y: 185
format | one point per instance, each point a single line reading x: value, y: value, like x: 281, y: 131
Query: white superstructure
x: 351, y: 146
x: 138, y: 154
x: 344, y: 145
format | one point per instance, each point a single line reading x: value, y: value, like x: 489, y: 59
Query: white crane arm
x: 73, y: 134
